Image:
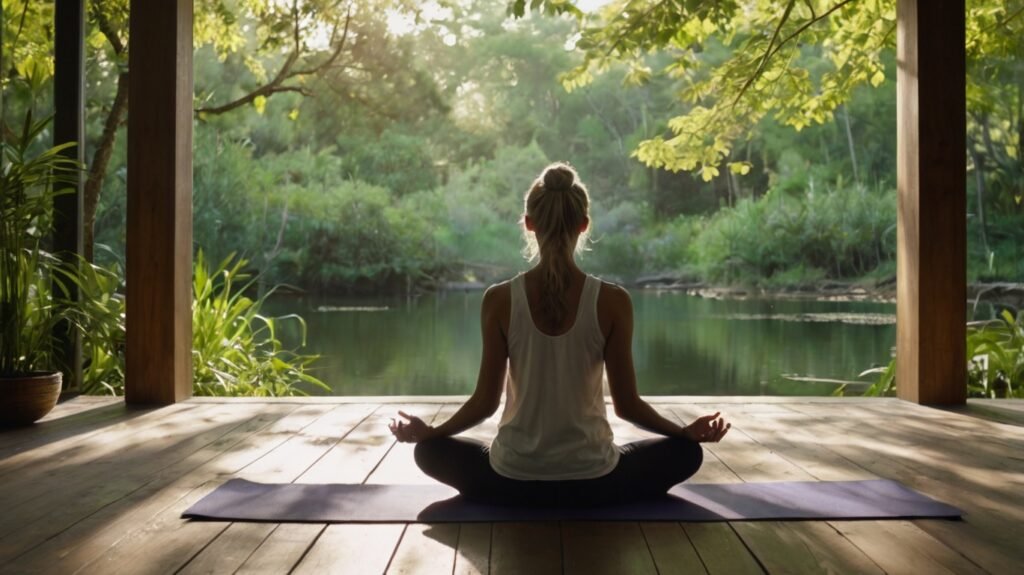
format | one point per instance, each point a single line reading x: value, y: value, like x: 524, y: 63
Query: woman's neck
x: 567, y: 263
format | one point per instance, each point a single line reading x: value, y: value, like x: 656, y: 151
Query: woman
x: 551, y: 333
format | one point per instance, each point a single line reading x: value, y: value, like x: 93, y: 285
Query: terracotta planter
x: 25, y: 399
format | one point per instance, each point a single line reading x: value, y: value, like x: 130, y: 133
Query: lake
x: 683, y: 345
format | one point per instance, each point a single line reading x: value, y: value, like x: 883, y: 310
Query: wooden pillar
x: 931, y: 260
x: 69, y: 126
x: 159, y: 237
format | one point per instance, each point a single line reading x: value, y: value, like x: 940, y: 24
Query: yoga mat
x: 241, y: 500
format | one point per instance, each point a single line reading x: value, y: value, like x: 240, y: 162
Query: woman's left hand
x: 412, y: 432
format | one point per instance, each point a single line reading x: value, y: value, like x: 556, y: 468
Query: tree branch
x: 277, y: 83
x: 334, y: 55
x: 101, y: 159
x: 265, y: 90
x: 768, y: 51
x: 630, y: 28
x: 108, y: 31
x: 772, y: 51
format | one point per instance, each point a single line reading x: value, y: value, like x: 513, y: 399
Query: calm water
x: 683, y: 345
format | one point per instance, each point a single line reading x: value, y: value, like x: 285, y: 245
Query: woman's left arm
x: 490, y: 381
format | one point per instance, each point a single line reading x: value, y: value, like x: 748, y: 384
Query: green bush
x: 235, y: 349
x: 667, y: 247
x: 100, y: 318
x: 842, y: 233
x: 995, y: 354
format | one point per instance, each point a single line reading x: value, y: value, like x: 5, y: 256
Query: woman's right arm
x: 497, y: 303
x: 618, y: 362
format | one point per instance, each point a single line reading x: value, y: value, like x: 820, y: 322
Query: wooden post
x: 159, y: 237
x: 931, y: 261
x: 69, y: 126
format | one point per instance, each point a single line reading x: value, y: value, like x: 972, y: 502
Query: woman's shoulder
x: 613, y: 294
x: 498, y: 295
x: 499, y: 290
x: 497, y: 304
x: 613, y: 307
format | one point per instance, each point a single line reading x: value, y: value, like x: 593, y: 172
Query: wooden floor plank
x: 916, y: 552
x: 162, y: 545
x: 671, y: 549
x: 73, y: 424
x: 426, y: 549
x: 744, y: 456
x: 295, y: 456
x: 79, y: 449
x: 42, y: 485
x: 398, y: 465
x: 803, y: 547
x: 282, y: 549
x: 76, y: 420
x: 284, y: 464
x: 531, y: 548
x: 605, y: 548
x: 88, y: 539
x: 104, y: 484
x: 473, y: 554
x: 775, y: 545
x: 230, y: 549
x: 720, y: 549
x: 774, y: 432
x: 350, y: 548
x: 353, y: 458
x: 993, y: 505
x: 79, y: 404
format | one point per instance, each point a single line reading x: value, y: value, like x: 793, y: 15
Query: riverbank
x: 1005, y: 294
x: 824, y: 291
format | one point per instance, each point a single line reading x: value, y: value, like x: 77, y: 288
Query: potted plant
x: 30, y: 380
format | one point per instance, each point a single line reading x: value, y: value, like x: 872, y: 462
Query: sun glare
x: 401, y: 23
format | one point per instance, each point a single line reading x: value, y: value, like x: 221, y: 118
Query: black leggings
x: 646, y: 469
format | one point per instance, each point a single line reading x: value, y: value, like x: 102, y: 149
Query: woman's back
x: 554, y: 424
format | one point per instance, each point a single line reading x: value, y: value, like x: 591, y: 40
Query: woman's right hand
x: 709, y: 428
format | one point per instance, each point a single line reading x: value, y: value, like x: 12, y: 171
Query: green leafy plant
x: 29, y: 182
x: 995, y: 357
x: 995, y: 361
x: 235, y: 349
x: 99, y: 316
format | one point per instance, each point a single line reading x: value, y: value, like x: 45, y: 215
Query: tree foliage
x: 774, y: 66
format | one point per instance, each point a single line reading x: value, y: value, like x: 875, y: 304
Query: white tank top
x: 554, y: 425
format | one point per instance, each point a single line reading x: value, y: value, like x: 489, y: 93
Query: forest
x: 382, y: 147
x: 354, y: 147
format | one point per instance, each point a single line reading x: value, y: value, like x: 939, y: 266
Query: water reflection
x: 683, y: 345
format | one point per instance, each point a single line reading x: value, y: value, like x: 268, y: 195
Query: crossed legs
x: 646, y: 468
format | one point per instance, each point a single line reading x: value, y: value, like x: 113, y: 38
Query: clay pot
x: 25, y: 399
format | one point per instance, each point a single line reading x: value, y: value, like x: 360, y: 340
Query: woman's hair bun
x: 559, y: 177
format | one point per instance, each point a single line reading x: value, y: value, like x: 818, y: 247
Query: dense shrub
x: 842, y: 233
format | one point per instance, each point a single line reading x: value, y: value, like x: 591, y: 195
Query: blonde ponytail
x: 557, y: 205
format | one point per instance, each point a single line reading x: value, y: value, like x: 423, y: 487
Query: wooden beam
x: 931, y: 290
x: 69, y: 126
x: 159, y: 237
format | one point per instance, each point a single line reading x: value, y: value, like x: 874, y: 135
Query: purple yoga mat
x: 241, y: 500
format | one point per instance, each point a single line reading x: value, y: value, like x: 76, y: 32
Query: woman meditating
x: 549, y: 335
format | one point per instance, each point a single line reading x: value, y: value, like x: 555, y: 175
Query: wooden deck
x: 99, y: 488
